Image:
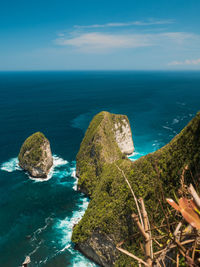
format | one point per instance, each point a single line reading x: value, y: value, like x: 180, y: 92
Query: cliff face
x: 123, y: 134
x: 35, y: 156
x: 107, y: 220
x: 107, y: 139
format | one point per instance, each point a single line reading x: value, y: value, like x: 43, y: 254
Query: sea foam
x: 61, y: 169
x: 11, y: 165
x: 66, y: 225
x: 64, y: 228
x: 73, y: 174
x: 135, y: 155
x: 57, y: 162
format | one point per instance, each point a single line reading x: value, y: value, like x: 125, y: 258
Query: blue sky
x: 100, y: 35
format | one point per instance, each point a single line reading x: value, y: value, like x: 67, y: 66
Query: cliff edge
x: 107, y: 220
x: 35, y: 156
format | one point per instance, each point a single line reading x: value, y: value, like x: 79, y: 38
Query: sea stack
x: 35, y: 156
x: 108, y: 139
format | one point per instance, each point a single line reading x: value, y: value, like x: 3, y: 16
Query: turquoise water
x: 36, y: 218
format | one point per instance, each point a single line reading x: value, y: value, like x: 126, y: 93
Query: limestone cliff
x: 107, y: 220
x: 107, y: 139
x: 123, y: 134
x: 35, y: 156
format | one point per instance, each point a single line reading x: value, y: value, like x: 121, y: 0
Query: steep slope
x: 107, y: 220
x: 107, y: 139
x: 35, y: 155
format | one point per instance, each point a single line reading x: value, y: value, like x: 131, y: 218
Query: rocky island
x: 35, y: 156
x: 101, y: 164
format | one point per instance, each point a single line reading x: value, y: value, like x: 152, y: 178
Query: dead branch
x: 133, y: 256
x: 173, y: 246
x: 139, y: 226
x: 148, y: 241
x: 194, y: 195
x: 133, y: 194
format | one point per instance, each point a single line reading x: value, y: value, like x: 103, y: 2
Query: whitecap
x: 135, y: 155
x: 40, y: 179
x: 11, y: 165
x: 37, y: 232
x: 36, y: 241
x: 61, y: 173
x: 66, y: 247
x: 57, y: 162
x: 73, y: 174
x: 75, y: 187
x: 175, y: 121
x: 184, y: 117
x: 65, y: 226
x: 81, y: 261
x: 168, y: 128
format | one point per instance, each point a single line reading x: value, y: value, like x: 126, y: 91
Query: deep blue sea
x: 36, y: 218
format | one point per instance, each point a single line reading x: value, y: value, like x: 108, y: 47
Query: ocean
x: 36, y: 218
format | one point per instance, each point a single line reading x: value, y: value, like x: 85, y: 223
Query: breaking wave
x: 65, y: 227
x: 11, y: 165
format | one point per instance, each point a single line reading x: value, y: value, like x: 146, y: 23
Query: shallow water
x: 36, y: 218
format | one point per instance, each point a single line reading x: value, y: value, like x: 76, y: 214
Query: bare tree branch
x: 194, y: 195
x: 136, y: 202
x: 132, y: 256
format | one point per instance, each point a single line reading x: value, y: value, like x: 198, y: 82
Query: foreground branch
x: 133, y: 256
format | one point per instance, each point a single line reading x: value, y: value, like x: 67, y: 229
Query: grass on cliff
x: 97, y: 148
x: 152, y: 177
x: 32, y: 146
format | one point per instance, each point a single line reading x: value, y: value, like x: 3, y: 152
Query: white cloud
x: 125, y: 24
x: 97, y: 42
x: 185, y: 62
x: 179, y: 37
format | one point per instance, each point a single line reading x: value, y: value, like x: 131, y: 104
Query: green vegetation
x: 31, y: 152
x: 97, y: 148
x: 153, y: 177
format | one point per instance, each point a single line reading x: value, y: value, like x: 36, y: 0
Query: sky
x: 99, y: 35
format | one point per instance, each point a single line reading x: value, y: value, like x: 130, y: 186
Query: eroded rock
x: 35, y: 155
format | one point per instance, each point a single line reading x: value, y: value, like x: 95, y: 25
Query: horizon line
x: 107, y: 70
